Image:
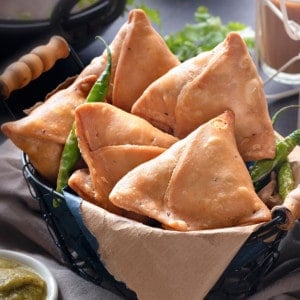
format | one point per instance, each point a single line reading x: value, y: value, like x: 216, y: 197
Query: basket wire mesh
x: 78, y: 251
x: 240, y: 279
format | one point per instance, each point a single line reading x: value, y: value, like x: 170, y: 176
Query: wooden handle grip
x: 30, y: 66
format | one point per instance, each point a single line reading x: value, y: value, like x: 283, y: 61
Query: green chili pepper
x: 71, y: 152
x: 262, y: 168
x: 100, y: 88
x: 285, y: 179
x: 69, y: 158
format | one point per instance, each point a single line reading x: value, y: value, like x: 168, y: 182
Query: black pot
x: 78, y: 27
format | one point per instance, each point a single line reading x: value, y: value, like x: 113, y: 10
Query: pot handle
x: 31, y: 65
x: 61, y: 11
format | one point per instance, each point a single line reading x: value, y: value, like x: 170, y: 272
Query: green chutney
x: 19, y: 282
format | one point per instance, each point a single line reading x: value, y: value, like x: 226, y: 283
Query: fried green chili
x: 99, y: 90
x: 285, y: 179
x: 71, y: 153
x: 285, y: 176
x: 262, y: 168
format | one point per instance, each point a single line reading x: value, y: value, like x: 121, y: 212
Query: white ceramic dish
x: 37, y: 266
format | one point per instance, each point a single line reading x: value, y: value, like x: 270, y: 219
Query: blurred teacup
x: 278, y: 39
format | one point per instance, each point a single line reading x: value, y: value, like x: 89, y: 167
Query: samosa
x: 182, y: 99
x: 107, y: 166
x: 200, y: 182
x: 102, y: 124
x: 112, y: 142
x: 42, y: 134
x: 139, y: 57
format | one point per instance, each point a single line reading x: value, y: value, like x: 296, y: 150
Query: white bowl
x: 37, y: 266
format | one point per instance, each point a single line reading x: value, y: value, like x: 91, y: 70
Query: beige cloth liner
x: 162, y: 264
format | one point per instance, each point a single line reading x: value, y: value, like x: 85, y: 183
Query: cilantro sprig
x: 204, y: 34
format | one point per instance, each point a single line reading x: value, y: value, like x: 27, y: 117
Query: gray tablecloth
x: 23, y: 229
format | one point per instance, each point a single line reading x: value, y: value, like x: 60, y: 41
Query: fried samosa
x: 144, y: 57
x: 81, y: 183
x: 139, y: 56
x: 102, y: 124
x: 106, y: 166
x: 42, y: 134
x: 200, y: 182
x: 112, y: 142
x: 226, y: 79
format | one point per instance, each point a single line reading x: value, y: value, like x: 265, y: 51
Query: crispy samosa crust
x: 102, y: 124
x: 112, y: 142
x: 106, y: 166
x: 139, y: 56
x: 81, y: 183
x: 42, y: 134
x: 200, y: 182
x: 182, y: 99
x: 144, y: 57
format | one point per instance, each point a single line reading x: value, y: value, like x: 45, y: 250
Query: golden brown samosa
x: 157, y: 103
x: 139, y: 56
x: 144, y: 57
x: 43, y: 132
x: 112, y: 142
x: 106, y: 166
x: 81, y: 183
x: 200, y: 182
x: 102, y: 124
x: 226, y: 79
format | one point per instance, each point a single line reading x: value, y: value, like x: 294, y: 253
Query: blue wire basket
x: 255, y: 259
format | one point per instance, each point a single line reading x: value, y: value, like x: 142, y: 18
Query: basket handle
x: 31, y: 65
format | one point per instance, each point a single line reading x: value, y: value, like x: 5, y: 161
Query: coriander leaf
x: 235, y: 26
x: 204, y: 34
